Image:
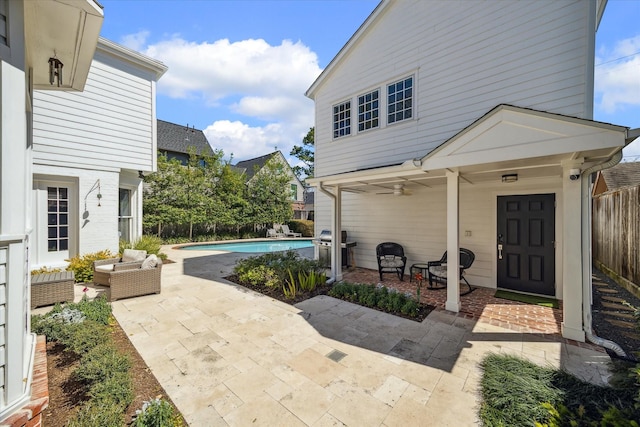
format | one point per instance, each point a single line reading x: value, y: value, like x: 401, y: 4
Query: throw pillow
x: 130, y: 255
x: 150, y: 262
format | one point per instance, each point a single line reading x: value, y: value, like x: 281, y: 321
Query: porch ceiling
x: 66, y: 29
x: 507, y: 140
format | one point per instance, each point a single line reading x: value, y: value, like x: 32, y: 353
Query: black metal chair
x: 391, y: 259
x: 437, y: 270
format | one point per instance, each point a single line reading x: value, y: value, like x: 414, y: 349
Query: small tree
x: 269, y: 195
x: 305, y: 154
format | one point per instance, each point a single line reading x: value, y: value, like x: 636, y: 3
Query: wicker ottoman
x: 50, y: 288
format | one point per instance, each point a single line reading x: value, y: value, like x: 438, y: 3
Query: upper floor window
x: 400, y: 100
x: 342, y: 119
x: 368, y: 110
x: 294, y: 192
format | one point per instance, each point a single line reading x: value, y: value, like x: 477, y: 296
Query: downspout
x: 586, y: 256
x: 332, y: 196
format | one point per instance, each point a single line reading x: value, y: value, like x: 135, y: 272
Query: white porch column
x: 453, y: 242
x: 572, y: 256
x: 336, y: 234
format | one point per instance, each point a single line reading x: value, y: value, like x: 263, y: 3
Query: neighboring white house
x: 253, y: 166
x: 33, y: 35
x: 89, y: 151
x: 447, y: 124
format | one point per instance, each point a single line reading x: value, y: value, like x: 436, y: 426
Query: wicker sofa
x: 127, y: 279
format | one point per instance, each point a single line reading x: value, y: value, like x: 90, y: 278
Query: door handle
x: 499, y: 250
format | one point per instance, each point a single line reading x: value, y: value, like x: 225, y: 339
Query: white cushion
x: 150, y: 262
x: 438, y: 270
x: 129, y: 255
x: 389, y: 261
x: 105, y: 267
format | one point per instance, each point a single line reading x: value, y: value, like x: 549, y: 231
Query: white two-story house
x: 90, y: 152
x: 44, y: 45
x: 448, y: 124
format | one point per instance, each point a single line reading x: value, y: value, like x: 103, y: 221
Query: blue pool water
x: 253, y: 247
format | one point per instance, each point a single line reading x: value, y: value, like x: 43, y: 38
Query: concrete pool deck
x: 228, y: 356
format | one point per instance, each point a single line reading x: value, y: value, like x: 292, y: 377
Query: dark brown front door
x: 526, y: 240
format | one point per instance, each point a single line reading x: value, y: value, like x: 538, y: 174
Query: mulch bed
x: 276, y: 293
x: 619, y: 332
x: 67, y: 396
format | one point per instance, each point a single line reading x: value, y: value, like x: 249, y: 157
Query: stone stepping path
x: 613, y: 299
x: 622, y: 324
x: 618, y: 314
x: 616, y: 306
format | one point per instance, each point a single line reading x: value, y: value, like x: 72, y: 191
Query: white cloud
x: 246, y: 142
x: 251, y: 78
x: 617, y: 78
x: 135, y: 41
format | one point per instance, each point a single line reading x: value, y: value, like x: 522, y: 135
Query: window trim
x: 350, y: 119
x: 413, y: 99
x: 380, y: 104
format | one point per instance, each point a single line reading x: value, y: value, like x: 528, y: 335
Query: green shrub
x: 156, y: 413
x: 98, y: 309
x: 151, y: 244
x: 302, y: 226
x: 390, y: 301
x: 275, y: 268
x: 99, y: 414
x: 117, y: 388
x: 100, y: 363
x: 81, y: 338
x: 82, y: 266
x: 54, y: 324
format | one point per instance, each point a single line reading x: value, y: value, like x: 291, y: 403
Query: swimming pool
x: 253, y: 246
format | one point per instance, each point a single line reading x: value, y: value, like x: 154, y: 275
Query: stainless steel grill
x: 325, y: 241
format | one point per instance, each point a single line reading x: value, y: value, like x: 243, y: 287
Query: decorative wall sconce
x: 55, y: 70
x: 511, y: 177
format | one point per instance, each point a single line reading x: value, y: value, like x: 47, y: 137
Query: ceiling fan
x: 398, y: 190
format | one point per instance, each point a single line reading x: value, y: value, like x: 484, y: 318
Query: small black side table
x: 422, y: 267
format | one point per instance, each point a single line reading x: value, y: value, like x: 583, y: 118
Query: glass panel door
x: 124, y: 214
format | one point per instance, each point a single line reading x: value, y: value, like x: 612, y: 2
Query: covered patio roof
x: 506, y: 140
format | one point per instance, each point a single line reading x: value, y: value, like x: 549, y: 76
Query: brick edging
x: 30, y: 415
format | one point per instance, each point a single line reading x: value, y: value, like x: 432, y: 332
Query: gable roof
x: 251, y: 166
x: 622, y: 175
x: 178, y: 138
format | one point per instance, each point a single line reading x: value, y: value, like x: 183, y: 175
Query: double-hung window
x: 342, y: 119
x: 368, y: 110
x: 400, y: 100
x: 125, y: 217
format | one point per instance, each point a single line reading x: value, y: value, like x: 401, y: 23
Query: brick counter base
x: 31, y: 414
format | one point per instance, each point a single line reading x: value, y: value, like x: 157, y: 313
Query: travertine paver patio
x: 229, y: 356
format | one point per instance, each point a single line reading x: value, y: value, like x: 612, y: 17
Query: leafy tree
x: 269, y: 194
x: 232, y: 195
x: 160, y: 205
x: 305, y: 154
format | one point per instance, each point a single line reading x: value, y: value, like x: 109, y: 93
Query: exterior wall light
x: 55, y: 70
x: 511, y: 177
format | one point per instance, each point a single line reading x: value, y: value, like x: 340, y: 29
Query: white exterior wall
x: 16, y: 342
x: 103, y: 135
x: 109, y: 126
x: 419, y: 223
x: 94, y: 228
x: 465, y: 60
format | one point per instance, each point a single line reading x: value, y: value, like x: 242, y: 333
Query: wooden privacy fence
x: 616, y: 232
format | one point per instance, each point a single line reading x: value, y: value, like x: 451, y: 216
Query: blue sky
x: 238, y: 69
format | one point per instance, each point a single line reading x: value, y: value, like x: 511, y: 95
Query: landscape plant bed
x: 421, y: 313
x: 68, y: 394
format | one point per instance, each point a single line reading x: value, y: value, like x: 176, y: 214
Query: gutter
x: 334, y: 270
x: 586, y: 257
